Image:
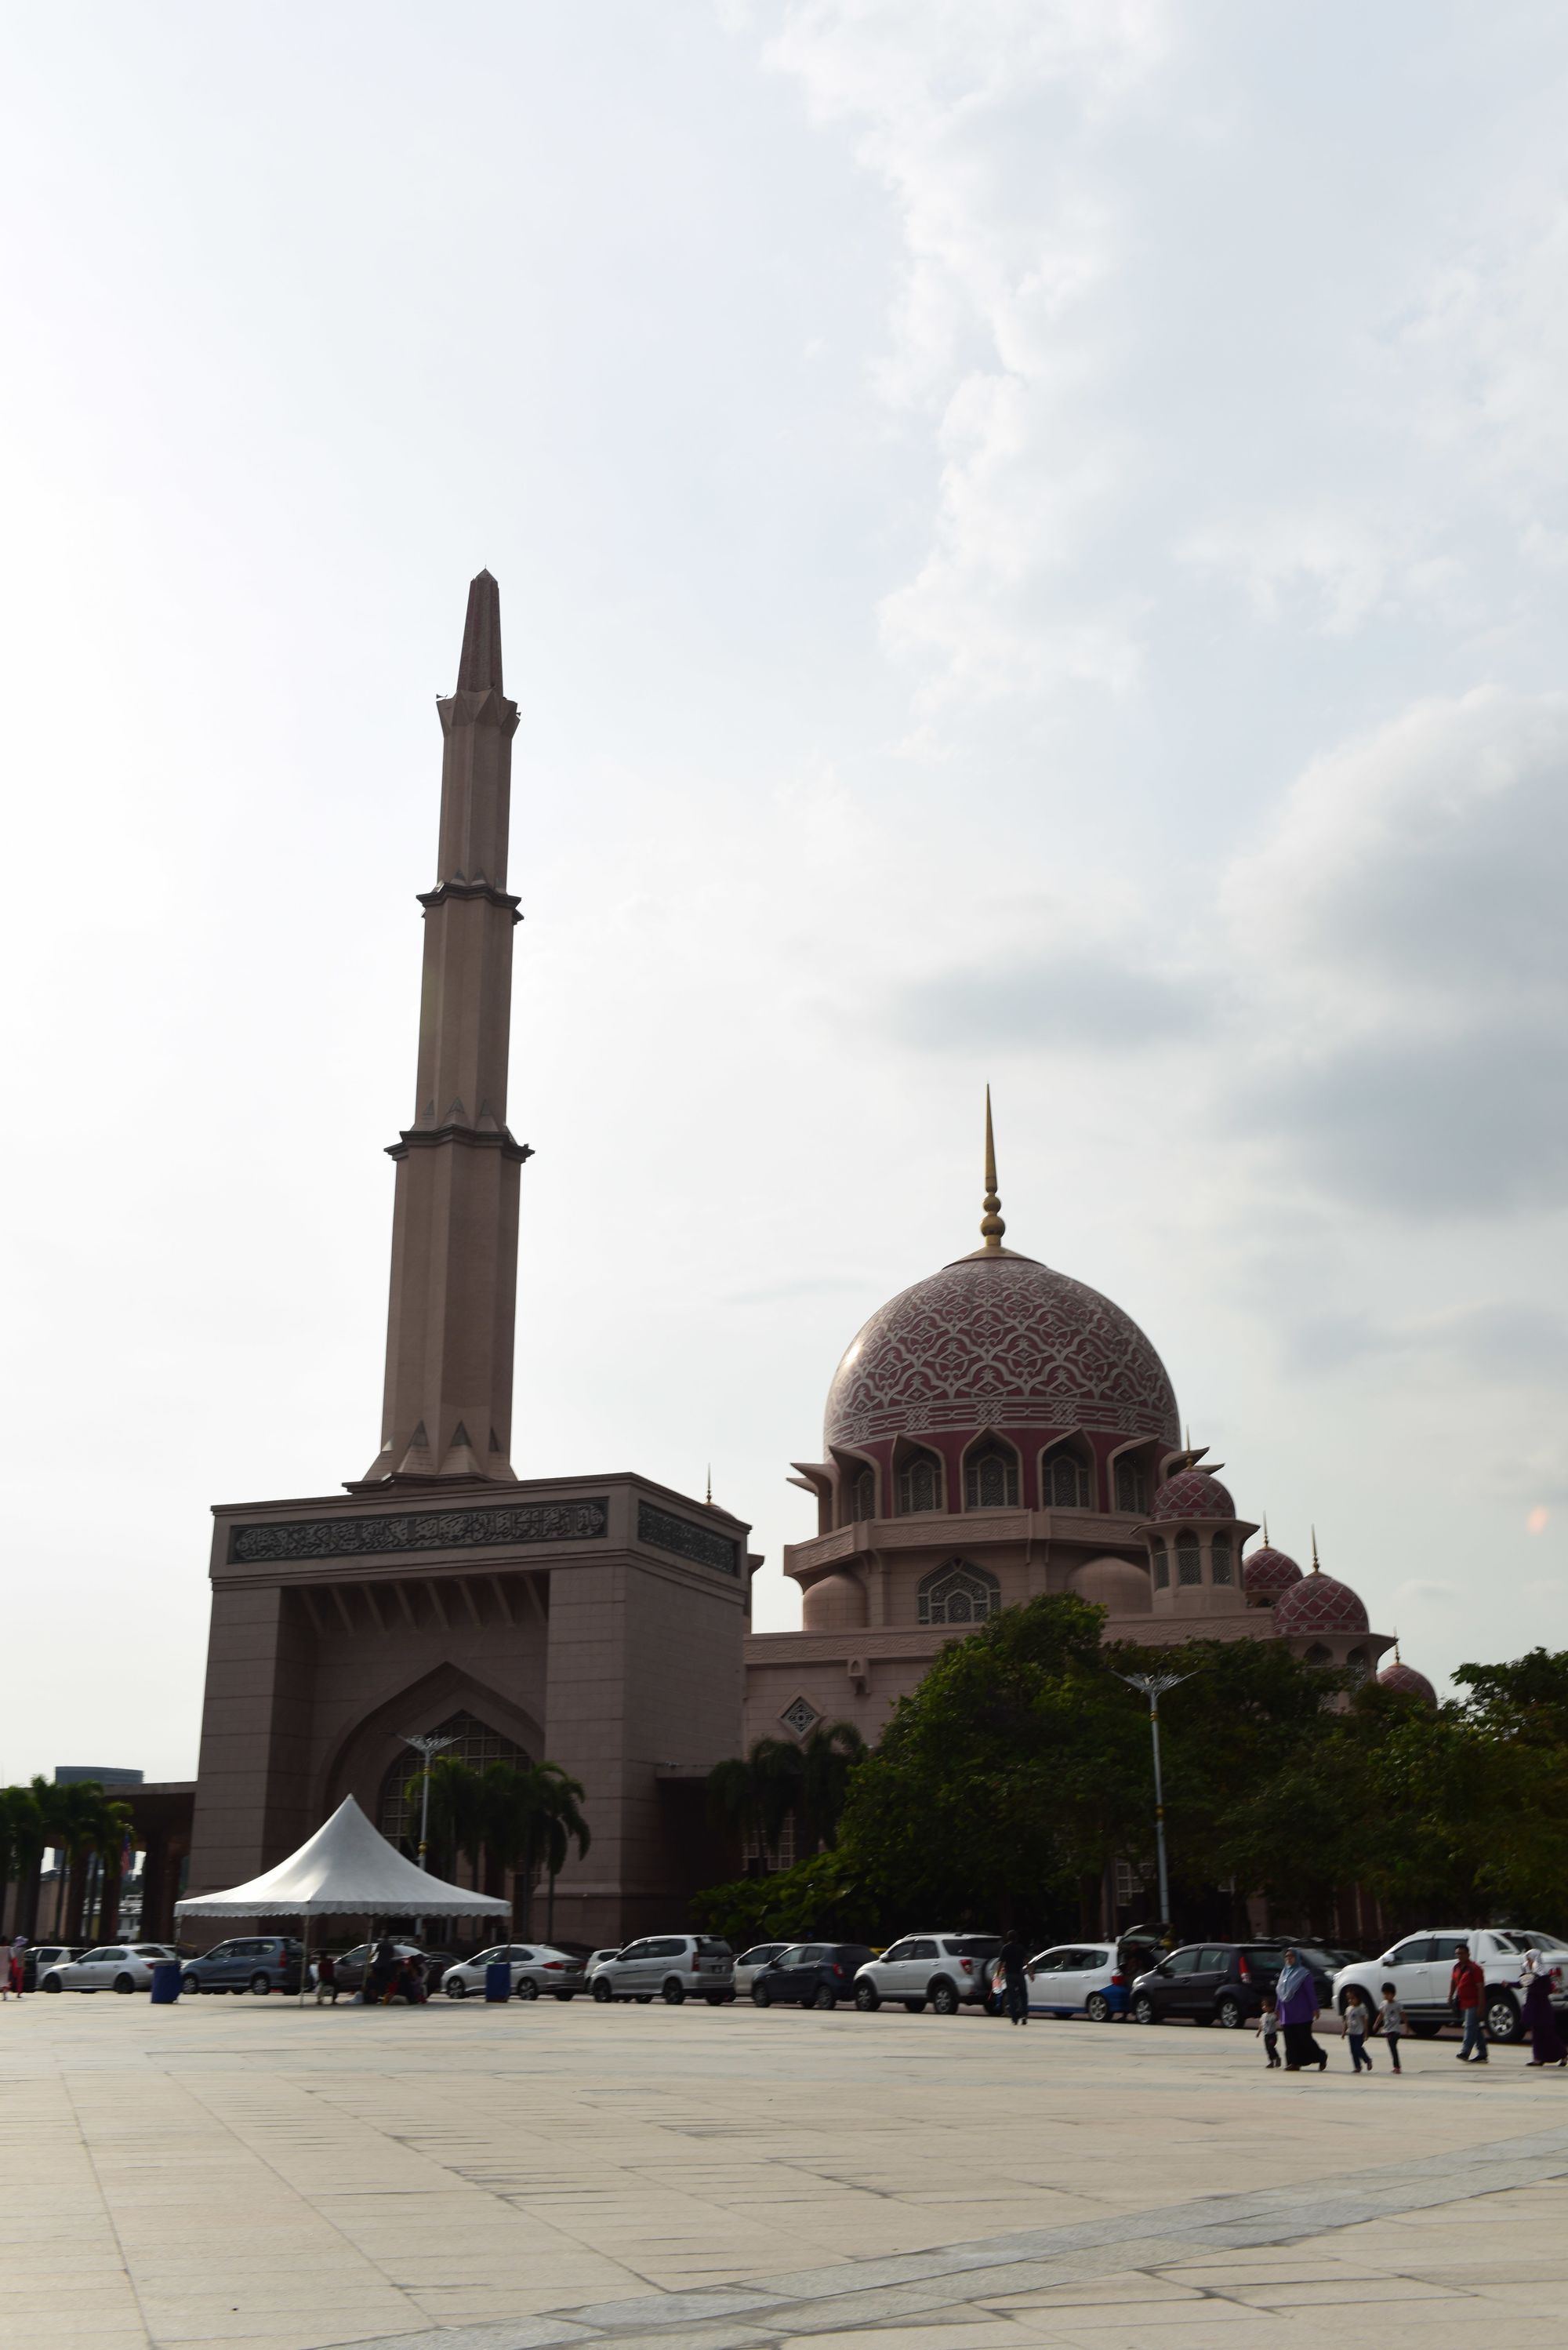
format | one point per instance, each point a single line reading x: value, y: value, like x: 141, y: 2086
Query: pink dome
x: 1318, y: 1604
x: 1408, y: 1682
x: 1266, y: 1571
x: 1192, y: 1494
x: 1112, y: 1583
x: 996, y: 1340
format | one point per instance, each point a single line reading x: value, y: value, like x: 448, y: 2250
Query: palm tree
x: 457, y: 1811
x: 87, y: 1827
x: 781, y: 1780
x: 564, y: 1827
x: 531, y: 1819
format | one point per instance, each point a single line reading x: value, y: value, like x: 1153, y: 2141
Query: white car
x: 947, y: 1971
x: 113, y: 1966
x: 595, y: 1958
x: 1420, y: 1965
x: 750, y: 1965
x: 535, y: 1967
x: 670, y: 1967
x: 1078, y: 1979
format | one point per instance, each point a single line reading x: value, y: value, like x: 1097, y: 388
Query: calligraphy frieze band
x: 532, y: 1522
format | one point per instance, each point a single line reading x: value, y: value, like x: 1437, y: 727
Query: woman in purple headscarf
x: 1296, y: 1993
x: 1545, y: 2041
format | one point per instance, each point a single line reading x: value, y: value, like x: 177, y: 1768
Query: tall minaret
x: 451, y: 1320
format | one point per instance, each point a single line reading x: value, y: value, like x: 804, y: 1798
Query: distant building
x: 71, y: 1774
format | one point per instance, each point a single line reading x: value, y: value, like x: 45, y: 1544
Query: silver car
x: 669, y: 1967
x: 535, y: 1967
x: 750, y: 1965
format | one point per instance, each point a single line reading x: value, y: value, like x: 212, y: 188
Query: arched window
x: 1360, y: 1663
x: 1188, y: 1559
x: 958, y: 1594
x: 863, y: 1494
x: 474, y: 1743
x: 1131, y: 1486
x: 920, y: 1484
x: 1318, y: 1655
x: 1161, y: 1567
x: 990, y: 1477
x: 1220, y: 1561
x: 1063, y: 1481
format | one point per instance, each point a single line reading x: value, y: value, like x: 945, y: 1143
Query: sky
x: 1033, y: 548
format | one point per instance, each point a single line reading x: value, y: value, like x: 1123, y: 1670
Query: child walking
x: 1391, y: 2023
x: 1268, y: 2024
x: 1355, y: 2022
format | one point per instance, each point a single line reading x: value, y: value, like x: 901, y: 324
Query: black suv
x: 812, y: 1974
x: 1222, y: 1982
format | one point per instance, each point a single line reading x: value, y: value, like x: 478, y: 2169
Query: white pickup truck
x: 1419, y: 1967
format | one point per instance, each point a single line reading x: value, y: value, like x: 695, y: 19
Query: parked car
x: 750, y: 1965
x: 535, y: 1967
x: 112, y: 1966
x: 1420, y: 1967
x: 810, y: 1974
x: 595, y: 1960
x: 40, y: 1957
x: 669, y: 1966
x: 947, y: 1971
x: 349, y: 1969
x: 256, y: 1963
x: 1078, y: 1979
x: 1222, y: 1982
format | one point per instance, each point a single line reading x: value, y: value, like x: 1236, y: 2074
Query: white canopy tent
x: 347, y: 1869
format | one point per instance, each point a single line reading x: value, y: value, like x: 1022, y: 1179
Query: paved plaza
x: 242, y: 2172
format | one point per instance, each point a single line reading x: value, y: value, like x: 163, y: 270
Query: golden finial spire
x: 1265, y: 1530
x: 710, y: 1493
x: 991, y: 1224
x: 1315, y: 1569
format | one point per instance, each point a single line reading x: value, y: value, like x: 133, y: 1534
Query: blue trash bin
x: 498, y: 1979
x: 165, y: 1982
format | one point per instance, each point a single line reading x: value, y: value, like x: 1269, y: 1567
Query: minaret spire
x: 991, y: 1224
x: 452, y: 1321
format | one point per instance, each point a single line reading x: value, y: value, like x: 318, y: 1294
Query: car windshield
x: 1263, y: 1959
x: 709, y: 1948
x: 974, y: 1946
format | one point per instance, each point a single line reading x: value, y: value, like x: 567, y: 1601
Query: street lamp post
x: 425, y: 1745
x: 1154, y: 1686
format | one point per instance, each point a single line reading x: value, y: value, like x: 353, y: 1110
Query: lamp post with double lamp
x: 1154, y: 1686
x: 426, y: 1746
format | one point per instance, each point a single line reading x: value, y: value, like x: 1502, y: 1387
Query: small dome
x: 1112, y: 1583
x: 835, y: 1604
x: 1266, y: 1571
x: 1192, y: 1494
x: 1408, y: 1681
x: 1319, y: 1604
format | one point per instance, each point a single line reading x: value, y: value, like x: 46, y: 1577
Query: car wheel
x: 190, y: 1985
x: 761, y: 1995
x: 51, y: 1982
x: 914, y: 2007
x: 1229, y: 2013
x: 644, y: 1998
x: 455, y: 1988
x: 823, y: 1996
x: 602, y: 1991
x: 1143, y: 2010
x: 1426, y: 2031
x: 563, y: 1996
x: 1097, y: 2007
x: 524, y: 1988
x: 125, y: 1982
x: 944, y: 1999
x: 261, y: 1984
x: 674, y: 1992
x: 715, y: 1998
x: 867, y: 1998
x: 1503, y: 2022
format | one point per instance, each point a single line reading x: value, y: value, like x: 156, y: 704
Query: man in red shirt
x: 1467, y: 1989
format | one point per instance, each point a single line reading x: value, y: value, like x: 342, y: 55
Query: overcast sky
x: 1034, y: 547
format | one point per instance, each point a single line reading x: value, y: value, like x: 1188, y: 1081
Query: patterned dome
x: 1408, y: 1681
x: 1318, y: 1604
x: 996, y: 1340
x: 1267, y: 1570
x: 1192, y: 1494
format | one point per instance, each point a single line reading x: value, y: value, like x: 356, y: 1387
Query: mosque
x: 996, y: 1431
